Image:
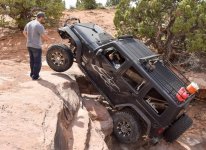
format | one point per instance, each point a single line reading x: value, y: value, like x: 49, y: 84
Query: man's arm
x: 46, y: 37
x: 25, y: 34
x: 44, y: 34
x: 25, y: 31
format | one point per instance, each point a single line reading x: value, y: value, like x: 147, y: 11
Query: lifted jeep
x: 139, y: 85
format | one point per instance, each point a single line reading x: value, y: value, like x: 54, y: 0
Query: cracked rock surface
x: 46, y: 114
x: 28, y: 114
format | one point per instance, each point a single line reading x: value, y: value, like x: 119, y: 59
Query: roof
x: 162, y: 74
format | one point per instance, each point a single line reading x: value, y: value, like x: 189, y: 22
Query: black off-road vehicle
x: 139, y: 85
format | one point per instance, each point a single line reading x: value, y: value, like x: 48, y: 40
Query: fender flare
x: 141, y: 114
x: 76, y: 40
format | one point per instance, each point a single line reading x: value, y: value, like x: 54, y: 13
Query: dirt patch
x: 101, y: 17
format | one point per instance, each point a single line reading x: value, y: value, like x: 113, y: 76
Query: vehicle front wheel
x: 177, y: 128
x: 59, y: 57
x: 127, y: 128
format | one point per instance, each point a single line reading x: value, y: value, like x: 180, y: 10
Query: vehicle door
x: 108, y: 66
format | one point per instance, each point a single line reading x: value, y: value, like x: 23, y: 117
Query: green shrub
x: 22, y: 11
x: 86, y: 4
x: 170, y: 26
x: 112, y: 2
x: 100, y: 6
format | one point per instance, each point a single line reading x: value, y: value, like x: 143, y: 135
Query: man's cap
x: 41, y: 14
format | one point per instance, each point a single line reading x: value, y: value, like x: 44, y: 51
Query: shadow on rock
x: 81, y: 128
x: 67, y: 91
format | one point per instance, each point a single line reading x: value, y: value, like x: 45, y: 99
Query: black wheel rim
x: 124, y: 128
x: 57, y: 58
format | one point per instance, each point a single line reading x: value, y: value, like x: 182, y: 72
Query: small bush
x: 171, y: 27
x: 22, y: 11
x: 86, y: 4
x: 112, y: 2
x: 100, y: 6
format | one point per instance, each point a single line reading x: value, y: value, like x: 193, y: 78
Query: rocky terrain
x: 63, y: 110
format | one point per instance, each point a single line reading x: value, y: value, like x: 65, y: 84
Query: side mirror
x: 99, y: 52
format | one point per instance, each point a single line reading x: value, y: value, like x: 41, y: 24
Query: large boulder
x: 100, y: 117
x: 29, y: 114
x: 46, y: 113
x: 75, y: 130
x: 79, y: 134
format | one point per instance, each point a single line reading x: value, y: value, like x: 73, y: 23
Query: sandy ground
x: 15, y: 69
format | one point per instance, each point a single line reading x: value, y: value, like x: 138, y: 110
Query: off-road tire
x: 177, y: 128
x: 64, y: 53
x: 126, y: 116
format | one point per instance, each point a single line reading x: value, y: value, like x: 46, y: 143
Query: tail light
x: 160, y: 130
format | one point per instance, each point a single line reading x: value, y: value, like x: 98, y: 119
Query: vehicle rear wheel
x: 59, y: 57
x: 127, y: 129
x: 178, y: 128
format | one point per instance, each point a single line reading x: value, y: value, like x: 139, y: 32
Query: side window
x: 114, y: 57
x: 156, y: 101
x: 134, y: 78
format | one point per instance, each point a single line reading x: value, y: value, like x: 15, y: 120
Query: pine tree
x: 86, y: 4
x: 22, y: 11
x: 78, y: 4
x: 170, y: 26
x: 112, y: 2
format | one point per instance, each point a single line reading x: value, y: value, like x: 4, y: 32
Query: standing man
x: 34, y: 32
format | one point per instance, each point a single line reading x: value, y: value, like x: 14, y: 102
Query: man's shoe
x: 36, y: 78
x: 31, y: 75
